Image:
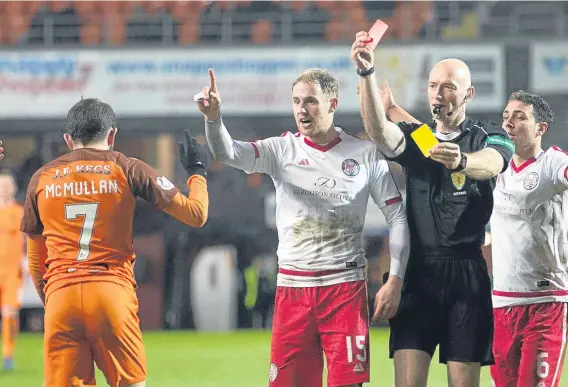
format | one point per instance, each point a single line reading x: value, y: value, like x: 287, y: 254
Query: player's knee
x: 464, y: 374
x: 139, y: 384
x: 411, y: 368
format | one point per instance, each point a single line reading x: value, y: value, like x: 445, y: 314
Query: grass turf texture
x: 188, y: 358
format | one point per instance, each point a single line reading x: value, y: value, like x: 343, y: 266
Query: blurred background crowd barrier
x: 148, y: 58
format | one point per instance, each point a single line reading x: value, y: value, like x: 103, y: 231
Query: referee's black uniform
x: 446, y: 296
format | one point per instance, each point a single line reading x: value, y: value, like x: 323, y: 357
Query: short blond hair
x: 328, y: 83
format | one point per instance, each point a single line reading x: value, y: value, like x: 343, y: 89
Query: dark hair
x: 541, y: 108
x: 89, y: 120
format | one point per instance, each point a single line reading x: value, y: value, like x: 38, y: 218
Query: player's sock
x: 10, y: 328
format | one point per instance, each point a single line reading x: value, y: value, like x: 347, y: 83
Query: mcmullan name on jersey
x: 79, y: 188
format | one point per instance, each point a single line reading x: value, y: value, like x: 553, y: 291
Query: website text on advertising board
x: 33, y: 65
x: 199, y: 67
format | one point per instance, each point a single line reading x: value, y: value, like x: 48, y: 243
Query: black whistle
x: 436, y: 110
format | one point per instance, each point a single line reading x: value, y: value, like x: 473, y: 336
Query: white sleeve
x: 399, y: 238
x: 260, y: 156
x: 558, y: 165
x: 381, y: 182
x: 386, y: 195
x: 268, y: 154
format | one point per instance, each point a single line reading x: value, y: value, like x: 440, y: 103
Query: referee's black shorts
x: 446, y: 302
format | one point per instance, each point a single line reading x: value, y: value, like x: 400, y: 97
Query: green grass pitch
x: 188, y: 358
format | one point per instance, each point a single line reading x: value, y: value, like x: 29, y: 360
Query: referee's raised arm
x: 387, y: 135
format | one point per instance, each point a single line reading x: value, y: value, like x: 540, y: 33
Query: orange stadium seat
x: 16, y: 24
x: 155, y: 6
x: 189, y: 32
x: 107, y: 18
x: 336, y: 8
x: 185, y: 10
x: 116, y: 30
x: 261, y: 31
x: 91, y: 32
x: 334, y: 30
x: 297, y: 6
x: 357, y: 19
x: 86, y: 9
x: 409, y: 18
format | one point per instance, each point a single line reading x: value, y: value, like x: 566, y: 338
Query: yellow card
x: 425, y: 139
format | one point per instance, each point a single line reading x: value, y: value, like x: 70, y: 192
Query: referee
x: 446, y: 296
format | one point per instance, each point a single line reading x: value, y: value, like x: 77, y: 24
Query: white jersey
x: 321, y: 201
x: 529, y: 232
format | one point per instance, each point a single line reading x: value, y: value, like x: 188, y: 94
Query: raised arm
x: 249, y: 157
x: 237, y: 154
x: 395, y: 113
x: 146, y: 183
x: 387, y: 135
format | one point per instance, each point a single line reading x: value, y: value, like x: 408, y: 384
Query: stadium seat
x: 91, y: 32
x: 155, y: 6
x: 185, y: 10
x: 116, y: 30
x: 86, y: 9
x: 334, y: 30
x: 189, y: 31
x: 261, y: 31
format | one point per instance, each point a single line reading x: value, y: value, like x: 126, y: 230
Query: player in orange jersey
x: 78, y: 216
x: 11, y: 264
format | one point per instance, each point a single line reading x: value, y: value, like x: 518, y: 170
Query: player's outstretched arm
x: 37, y: 254
x: 193, y: 209
x: 395, y: 113
x: 237, y: 154
x: 387, y: 135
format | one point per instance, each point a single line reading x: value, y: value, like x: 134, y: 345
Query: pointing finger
x: 187, y: 135
x: 213, y: 83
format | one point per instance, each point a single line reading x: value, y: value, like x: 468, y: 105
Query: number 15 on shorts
x: 356, y: 348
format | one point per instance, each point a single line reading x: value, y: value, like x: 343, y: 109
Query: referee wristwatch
x: 463, y: 163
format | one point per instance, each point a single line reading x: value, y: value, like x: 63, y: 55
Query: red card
x: 376, y: 33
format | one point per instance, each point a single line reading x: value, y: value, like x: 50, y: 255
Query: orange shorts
x: 93, y: 322
x: 10, y: 292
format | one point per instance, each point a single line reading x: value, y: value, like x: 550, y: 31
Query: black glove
x: 192, y: 156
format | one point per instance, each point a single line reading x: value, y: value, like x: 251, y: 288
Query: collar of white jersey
x: 526, y: 163
x: 326, y: 147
